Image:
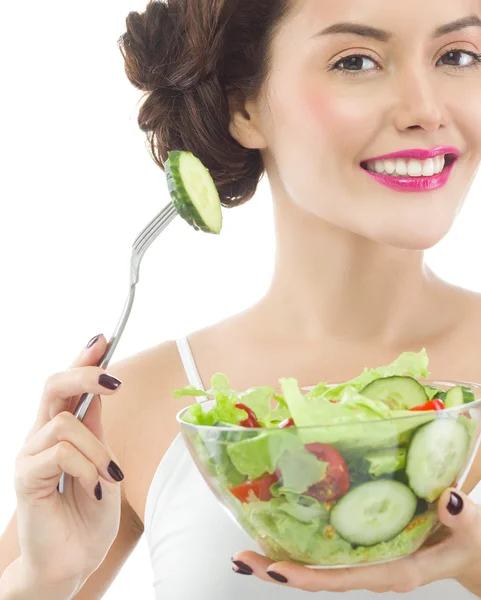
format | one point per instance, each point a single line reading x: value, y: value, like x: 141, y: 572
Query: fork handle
x: 87, y: 398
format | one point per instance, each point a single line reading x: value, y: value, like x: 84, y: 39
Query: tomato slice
x: 259, y: 487
x: 336, y: 483
x: 435, y: 404
x: 251, y: 420
x: 287, y: 423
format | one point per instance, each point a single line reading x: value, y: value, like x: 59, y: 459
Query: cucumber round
x: 193, y: 192
x: 454, y: 397
x: 397, y: 392
x: 435, y: 456
x: 373, y: 512
x: 468, y: 395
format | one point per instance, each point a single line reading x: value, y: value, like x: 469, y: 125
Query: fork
x: 143, y: 241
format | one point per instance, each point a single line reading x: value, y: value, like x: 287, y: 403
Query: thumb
x: 458, y: 512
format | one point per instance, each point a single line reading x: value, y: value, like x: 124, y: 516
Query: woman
x: 319, y: 95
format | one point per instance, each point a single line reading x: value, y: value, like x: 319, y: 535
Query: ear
x: 245, y: 123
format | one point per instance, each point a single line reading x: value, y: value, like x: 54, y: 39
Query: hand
x: 455, y: 555
x: 67, y: 536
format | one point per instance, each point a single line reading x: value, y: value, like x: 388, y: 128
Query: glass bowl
x: 339, y: 495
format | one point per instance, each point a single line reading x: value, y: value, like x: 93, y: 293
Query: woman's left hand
x: 456, y: 556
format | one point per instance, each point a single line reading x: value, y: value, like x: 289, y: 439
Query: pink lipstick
x: 407, y: 183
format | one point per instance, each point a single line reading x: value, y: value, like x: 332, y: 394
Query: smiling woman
x: 365, y: 118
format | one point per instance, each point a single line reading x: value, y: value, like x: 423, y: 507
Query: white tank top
x: 191, y: 538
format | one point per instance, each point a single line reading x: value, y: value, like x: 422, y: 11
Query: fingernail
x: 240, y: 571
x: 277, y: 576
x: 109, y: 382
x: 115, y: 471
x: 243, y: 568
x: 93, y: 340
x: 98, y: 491
x: 455, y: 504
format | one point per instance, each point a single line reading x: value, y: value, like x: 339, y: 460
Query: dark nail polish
x: 109, y: 382
x: 455, y: 504
x: 115, y: 471
x: 240, y: 571
x: 243, y: 568
x: 277, y: 576
x: 93, y: 340
x: 98, y: 491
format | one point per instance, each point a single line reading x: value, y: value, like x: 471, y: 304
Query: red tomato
x: 259, y: 487
x: 251, y: 420
x: 336, y: 483
x: 286, y: 423
x: 435, y: 404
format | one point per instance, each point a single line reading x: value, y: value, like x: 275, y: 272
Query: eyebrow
x: 384, y: 36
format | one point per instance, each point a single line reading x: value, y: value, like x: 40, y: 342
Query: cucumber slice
x: 397, y: 392
x: 440, y: 395
x: 454, y: 397
x: 435, y: 456
x: 193, y: 192
x: 468, y: 395
x: 373, y: 512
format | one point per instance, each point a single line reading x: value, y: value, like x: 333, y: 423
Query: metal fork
x: 143, y: 241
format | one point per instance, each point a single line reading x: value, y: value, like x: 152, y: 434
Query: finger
x: 400, y: 576
x: 458, y: 512
x: 87, y: 357
x: 37, y: 476
x: 67, y: 428
x: 253, y: 561
x: 91, y: 355
x: 60, y: 387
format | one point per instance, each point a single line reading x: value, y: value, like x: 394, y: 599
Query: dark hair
x: 189, y: 56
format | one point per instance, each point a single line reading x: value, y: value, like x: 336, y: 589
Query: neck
x: 329, y: 283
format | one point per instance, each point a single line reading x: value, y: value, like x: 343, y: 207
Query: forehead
x: 404, y: 18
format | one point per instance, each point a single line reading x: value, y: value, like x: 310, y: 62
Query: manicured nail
x: 98, y: 491
x: 109, y: 382
x: 455, y: 504
x: 115, y: 471
x: 240, y: 571
x: 243, y: 568
x: 93, y: 340
x: 277, y: 576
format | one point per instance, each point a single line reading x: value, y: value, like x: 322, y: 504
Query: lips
x: 419, y: 154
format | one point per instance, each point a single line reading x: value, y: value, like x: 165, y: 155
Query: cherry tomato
x: 286, y: 423
x: 435, y: 404
x: 251, y: 420
x: 259, y: 487
x: 336, y: 483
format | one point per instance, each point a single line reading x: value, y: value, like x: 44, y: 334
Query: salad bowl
x: 336, y: 474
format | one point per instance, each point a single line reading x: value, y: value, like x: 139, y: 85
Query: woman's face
x: 336, y: 100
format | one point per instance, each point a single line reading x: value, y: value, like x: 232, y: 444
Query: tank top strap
x: 190, y: 367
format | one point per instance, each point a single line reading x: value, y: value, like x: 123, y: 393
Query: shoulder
x: 139, y: 420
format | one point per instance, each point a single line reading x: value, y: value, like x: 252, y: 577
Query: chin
x: 417, y: 237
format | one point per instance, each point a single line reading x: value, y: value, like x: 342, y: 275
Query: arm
x: 16, y: 584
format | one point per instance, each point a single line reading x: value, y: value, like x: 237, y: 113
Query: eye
x: 358, y: 64
x: 354, y: 63
x: 460, y: 59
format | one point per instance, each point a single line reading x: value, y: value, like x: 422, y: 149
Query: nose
x: 420, y: 103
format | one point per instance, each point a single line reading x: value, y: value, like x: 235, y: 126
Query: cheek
x: 342, y: 123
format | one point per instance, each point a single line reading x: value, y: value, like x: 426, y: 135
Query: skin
x: 349, y: 268
x: 350, y: 288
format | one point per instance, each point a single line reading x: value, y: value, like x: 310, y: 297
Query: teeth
x: 414, y: 168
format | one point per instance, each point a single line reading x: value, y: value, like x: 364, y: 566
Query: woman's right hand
x: 65, y: 537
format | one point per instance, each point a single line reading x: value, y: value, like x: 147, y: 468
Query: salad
x: 338, y: 475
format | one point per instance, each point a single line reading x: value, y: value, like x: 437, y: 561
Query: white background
x: 77, y: 186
